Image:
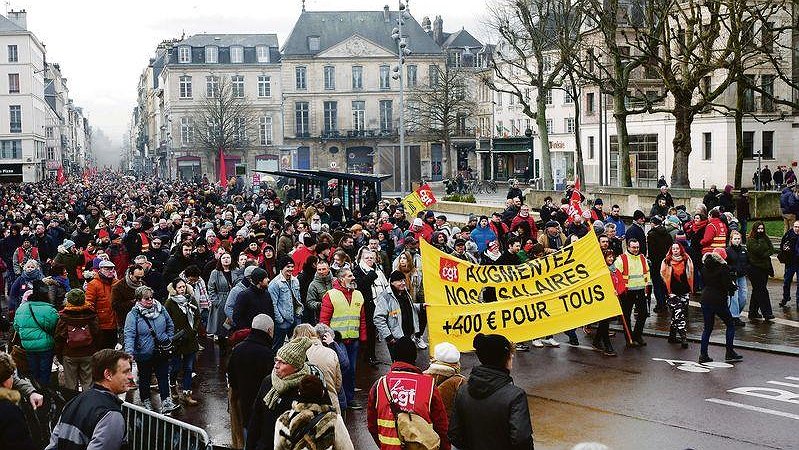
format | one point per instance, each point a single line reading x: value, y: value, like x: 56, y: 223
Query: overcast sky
x: 103, y: 45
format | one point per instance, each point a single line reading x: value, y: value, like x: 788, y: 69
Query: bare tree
x: 441, y: 108
x: 527, y: 57
x: 224, y: 120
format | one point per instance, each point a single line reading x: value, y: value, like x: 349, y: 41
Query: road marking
x: 695, y: 367
x: 779, y: 320
x: 753, y: 408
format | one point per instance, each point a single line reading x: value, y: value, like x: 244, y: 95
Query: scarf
x: 699, y: 225
x: 442, y: 369
x: 151, y: 312
x: 63, y: 281
x: 282, y: 385
x: 35, y: 274
x: 131, y: 284
x: 677, y: 267
x: 185, y: 306
x: 492, y: 255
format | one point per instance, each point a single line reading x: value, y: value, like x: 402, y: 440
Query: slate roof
x: 7, y: 25
x: 334, y: 27
x: 461, y: 39
x: 198, y: 42
x: 226, y: 40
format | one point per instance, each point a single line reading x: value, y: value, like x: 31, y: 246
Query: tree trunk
x: 739, y: 133
x: 579, y: 145
x: 622, y: 137
x: 684, y: 117
x: 546, y: 158
x: 447, y: 152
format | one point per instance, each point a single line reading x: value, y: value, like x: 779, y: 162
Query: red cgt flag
x: 575, y: 200
x: 60, y: 179
x: 222, y: 169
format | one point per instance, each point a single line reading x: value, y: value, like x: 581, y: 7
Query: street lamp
x: 759, y: 181
x: 402, y: 52
x: 529, y: 133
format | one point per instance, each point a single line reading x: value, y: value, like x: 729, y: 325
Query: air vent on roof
x: 217, y: 38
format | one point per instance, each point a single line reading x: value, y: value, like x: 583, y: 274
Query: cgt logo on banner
x: 418, y: 200
x: 564, y: 290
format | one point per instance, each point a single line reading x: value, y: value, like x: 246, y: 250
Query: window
x: 590, y: 104
x: 313, y: 43
x: 570, y: 124
x: 499, y: 98
x: 241, y: 130
x: 528, y: 124
x: 11, y: 149
x: 707, y: 146
x: 301, y: 119
x: 591, y: 146
x: 766, y: 97
x: 186, y: 130
x: 265, y: 130
x: 211, y: 54
x: 13, y: 83
x: 184, y: 54
x: 386, y: 116
x: 511, y: 99
x: 412, y: 76
x: 358, y: 115
x: 330, y: 78
x: 185, y: 86
x: 590, y: 57
x: 385, y: 77
x: 749, y: 94
x: 550, y: 126
x: 432, y: 74
x: 768, y: 144
x: 48, y: 133
x: 527, y: 94
x: 548, y: 95
x: 767, y: 37
x: 547, y: 64
x: 331, y: 117
x: 237, y: 54
x: 51, y: 153
x: 13, y: 55
x: 645, y: 163
x: 652, y: 96
x: 300, y: 78
x: 211, y: 86
x: 15, y: 118
x: 748, y: 144
x: 237, y: 85
x: 624, y: 51
x: 567, y: 96
x: 262, y: 54
x: 264, y: 86
x: 455, y: 58
x: 357, y: 77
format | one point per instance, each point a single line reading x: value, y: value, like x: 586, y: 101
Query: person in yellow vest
x: 343, y: 311
x: 715, y: 233
x: 634, y: 270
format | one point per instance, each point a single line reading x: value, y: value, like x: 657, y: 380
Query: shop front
x: 360, y: 160
x: 509, y: 158
x: 189, y: 168
x: 11, y: 173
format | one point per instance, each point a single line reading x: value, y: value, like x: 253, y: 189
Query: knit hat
x: 405, y: 350
x: 264, y: 323
x: 76, y: 297
x: 638, y: 214
x: 283, y: 262
x: 7, y: 367
x: 492, y: 349
x: 68, y: 244
x: 417, y: 222
x: 429, y: 214
x: 598, y: 201
x: 258, y: 275
x: 396, y: 276
x: 293, y: 353
x: 446, y: 353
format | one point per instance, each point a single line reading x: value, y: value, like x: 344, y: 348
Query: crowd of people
x: 112, y: 277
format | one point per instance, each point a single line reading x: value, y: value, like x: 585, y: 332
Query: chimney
x: 438, y: 29
x: 19, y: 18
x: 426, y: 24
x: 385, y: 14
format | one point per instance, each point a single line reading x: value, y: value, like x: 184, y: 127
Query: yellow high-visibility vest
x: 346, y: 317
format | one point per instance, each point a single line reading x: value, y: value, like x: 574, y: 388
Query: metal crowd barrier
x: 148, y: 430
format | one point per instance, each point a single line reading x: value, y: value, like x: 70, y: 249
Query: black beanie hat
x: 396, y: 276
x: 405, y: 350
x: 492, y: 349
x: 258, y: 275
x: 283, y: 262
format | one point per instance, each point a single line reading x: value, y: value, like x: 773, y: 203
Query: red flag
x: 60, y: 175
x: 575, y: 201
x: 222, y: 169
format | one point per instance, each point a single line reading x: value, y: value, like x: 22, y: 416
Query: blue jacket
x: 789, y: 204
x: 482, y: 236
x: 620, y: 227
x: 281, y: 290
x: 138, y: 339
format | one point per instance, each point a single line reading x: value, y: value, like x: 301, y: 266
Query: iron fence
x: 149, y: 430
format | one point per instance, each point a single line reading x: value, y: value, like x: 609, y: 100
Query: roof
x: 461, y: 39
x: 7, y: 25
x: 334, y: 27
x: 226, y: 40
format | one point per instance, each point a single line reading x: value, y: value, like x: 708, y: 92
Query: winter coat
x: 300, y: 415
x: 250, y: 361
x: 789, y: 204
x: 218, y: 291
x: 188, y: 343
x: 286, y: 301
x: 718, y: 281
x: 760, y: 249
x: 56, y: 290
x: 482, y: 236
x: 138, y: 338
x: 529, y: 219
x: 98, y: 294
x: 636, y: 231
x: 790, y: 244
x: 491, y: 413
x: 71, y: 317
x: 20, y: 285
x: 715, y: 232
x: 316, y: 290
x: 388, y: 316
x: 122, y: 299
x: 36, y: 337
x: 14, y: 432
x: 175, y: 265
x: 738, y: 260
x: 658, y: 242
x: 327, y: 309
x: 232, y: 297
x: 261, y: 429
x: 70, y: 261
x: 326, y: 360
x: 249, y: 303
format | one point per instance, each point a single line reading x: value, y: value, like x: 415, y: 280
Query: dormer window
x: 262, y: 53
x: 184, y: 54
x: 313, y: 43
x: 211, y: 54
x: 237, y: 54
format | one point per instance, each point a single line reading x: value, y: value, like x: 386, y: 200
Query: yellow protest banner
x: 564, y: 290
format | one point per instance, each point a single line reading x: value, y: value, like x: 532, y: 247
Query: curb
x: 746, y: 345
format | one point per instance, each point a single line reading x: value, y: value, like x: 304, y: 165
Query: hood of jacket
x: 485, y: 380
x: 172, y: 292
x: 10, y: 395
x: 326, y: 280
x: 81, y: 313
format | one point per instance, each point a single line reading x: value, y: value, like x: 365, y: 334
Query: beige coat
x: 327, y: 361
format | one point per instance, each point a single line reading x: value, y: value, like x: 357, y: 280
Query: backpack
x: 79, y: 336
x: 304, y: 428
x: 413, y: 430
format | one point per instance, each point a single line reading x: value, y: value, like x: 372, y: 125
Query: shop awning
x: 509, y: 145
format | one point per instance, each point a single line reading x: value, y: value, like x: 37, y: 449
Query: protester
x: 185, y: 314
x: 738, y: 262
x: 396, y: 315
x: 220, y: 282
x: 789, y: 255
x: 760, y: 249
x: 98, y: 295
x: 324, y: 358
x: 718, y: 287
x: 77, y: 336
x: 677, y: 272
x: 445, y: 368
x: 35, y: 322
x: 635, y: 272
x: 14, y: 432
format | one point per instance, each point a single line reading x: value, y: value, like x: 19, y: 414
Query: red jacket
x: 299, y: 256
x: 327, y: 308
x: 529, y: 219
x: 98, y: 295
x: 715, y: 235
x: 438, y: 412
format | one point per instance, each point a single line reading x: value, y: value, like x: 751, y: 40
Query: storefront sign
x: 10, y: 169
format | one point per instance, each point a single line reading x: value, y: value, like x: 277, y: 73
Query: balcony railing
x: 358, y: 134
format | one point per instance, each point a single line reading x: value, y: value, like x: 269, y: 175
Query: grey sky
x: 103, y: 45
